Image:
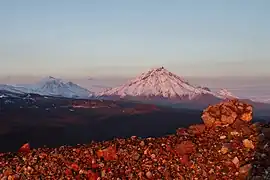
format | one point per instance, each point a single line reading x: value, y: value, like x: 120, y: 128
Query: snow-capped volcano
x: 157, y: 82
x: 51, y: 86
x: 226, y: 94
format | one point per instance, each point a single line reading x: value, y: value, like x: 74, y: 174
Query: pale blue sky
x: 126, y: 37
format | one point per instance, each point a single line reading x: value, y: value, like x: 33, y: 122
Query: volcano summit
x: 158, y: 83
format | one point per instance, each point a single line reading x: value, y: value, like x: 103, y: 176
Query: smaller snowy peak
x: 51, y: 86
x: 226, y: 94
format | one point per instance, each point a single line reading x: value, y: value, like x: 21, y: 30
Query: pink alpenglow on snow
x: 157, y: 82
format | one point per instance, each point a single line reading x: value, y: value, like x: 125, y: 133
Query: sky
x: 122, y: 38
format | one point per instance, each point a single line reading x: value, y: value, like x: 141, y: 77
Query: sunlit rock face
x: 227, y: 113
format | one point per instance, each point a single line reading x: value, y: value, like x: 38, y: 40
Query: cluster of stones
x: 232, y: 121
x: 226, y: 146
x: 227, y: 113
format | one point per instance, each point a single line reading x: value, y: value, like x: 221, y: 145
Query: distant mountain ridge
x: 58, y: 87
x: 51, y: 86
x: 160, y: 86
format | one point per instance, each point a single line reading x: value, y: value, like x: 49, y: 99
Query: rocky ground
x: 226, y: 146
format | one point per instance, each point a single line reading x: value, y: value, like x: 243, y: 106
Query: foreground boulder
x: 25, y: 148
x: 226, y: 113
x: 229, y: 147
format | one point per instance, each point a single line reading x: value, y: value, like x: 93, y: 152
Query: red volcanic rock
x: 185, y: 160
x: 181, y: 132
x: 75, y: 167
x: 197, y: 129
x: 68, y: 172
x: 227, y: 113
x: 99, y: 153
x: 108, y: 153
x: 185, y: 147
x: 91, y: 175
x: 94, y: 166
x: 25, y: 148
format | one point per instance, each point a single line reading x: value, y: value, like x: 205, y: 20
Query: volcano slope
x: 227, y: 145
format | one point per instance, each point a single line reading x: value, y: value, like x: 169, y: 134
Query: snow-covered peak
x: 51, y: 86
x: 226, y: 94
x: 157, y: 82
x: 160, y: 72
